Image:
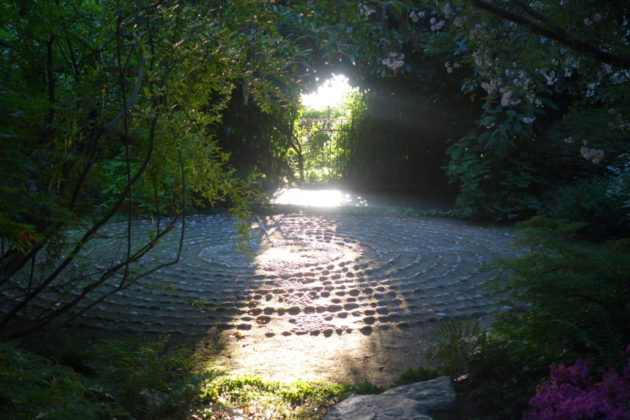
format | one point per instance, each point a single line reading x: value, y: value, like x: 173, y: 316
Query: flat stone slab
x: 407, y: 402
x: 377, y: 407
x: 436, y: 394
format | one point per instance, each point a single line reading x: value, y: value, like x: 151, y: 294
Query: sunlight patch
x: 331, y: 93
x: 312, y: 198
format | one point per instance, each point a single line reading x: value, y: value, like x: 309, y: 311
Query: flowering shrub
x: 572, y: 394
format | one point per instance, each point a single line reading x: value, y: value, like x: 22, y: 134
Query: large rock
x: 377, y: 407
x: 436, y: 394
x: 407, y: 402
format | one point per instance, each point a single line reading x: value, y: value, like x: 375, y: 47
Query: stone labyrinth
x: 305, y: 275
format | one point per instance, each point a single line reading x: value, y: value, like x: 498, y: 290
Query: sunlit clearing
x: 275, y: 345
x: 316, y: 198
x: 331, y: 93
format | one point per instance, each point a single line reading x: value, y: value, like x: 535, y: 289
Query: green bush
x: 31, y: 387
x: 587, y: 200
x: 146, y: 379
x: 106, y: 379
x: 571, y: 299
x: 498, y: 183
x: 487, y: 380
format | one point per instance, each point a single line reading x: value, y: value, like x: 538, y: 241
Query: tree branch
x: 86, y: 236
x: 555, y: 34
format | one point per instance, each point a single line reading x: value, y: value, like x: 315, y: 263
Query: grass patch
x: 366, y: 388
x: 411, y: 376
x: 256, y: 398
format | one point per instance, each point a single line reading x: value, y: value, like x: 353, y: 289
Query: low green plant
x: 487, y: 380
x: 410, y: 376
x: 259, y: 398
x: 150, y: 381
x: 414, y: 375
x: 458, y: 344
x: 31, y: 387
x: 367, y: 388
x: 133, y: 378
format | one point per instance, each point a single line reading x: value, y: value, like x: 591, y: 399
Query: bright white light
x: 310, y: 198
x: 330, y: 94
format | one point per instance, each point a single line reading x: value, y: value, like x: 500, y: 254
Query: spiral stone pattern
x: 303, y: 274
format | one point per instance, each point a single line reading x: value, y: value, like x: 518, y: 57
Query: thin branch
x: 536, y: 15
x: 102, y: 279
x: 123, y: 90
x: 112, y: 270
x: 132, y: 97
x: 181, y: 237
x: 50, y: 74
x: 86, y: 236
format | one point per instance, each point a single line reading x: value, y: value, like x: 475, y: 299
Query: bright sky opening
x: 331, y: 93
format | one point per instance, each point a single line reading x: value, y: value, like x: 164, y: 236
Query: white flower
x: 550, y: 77
x: 588, y: 22
x: 366, y: 11
x: 394, y: 61
x: 594, y: 155
x: 528, y: 120
x: 414, y: 17
x: 436, y: 26
x: 488, y: 87
x: 447, y: 10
